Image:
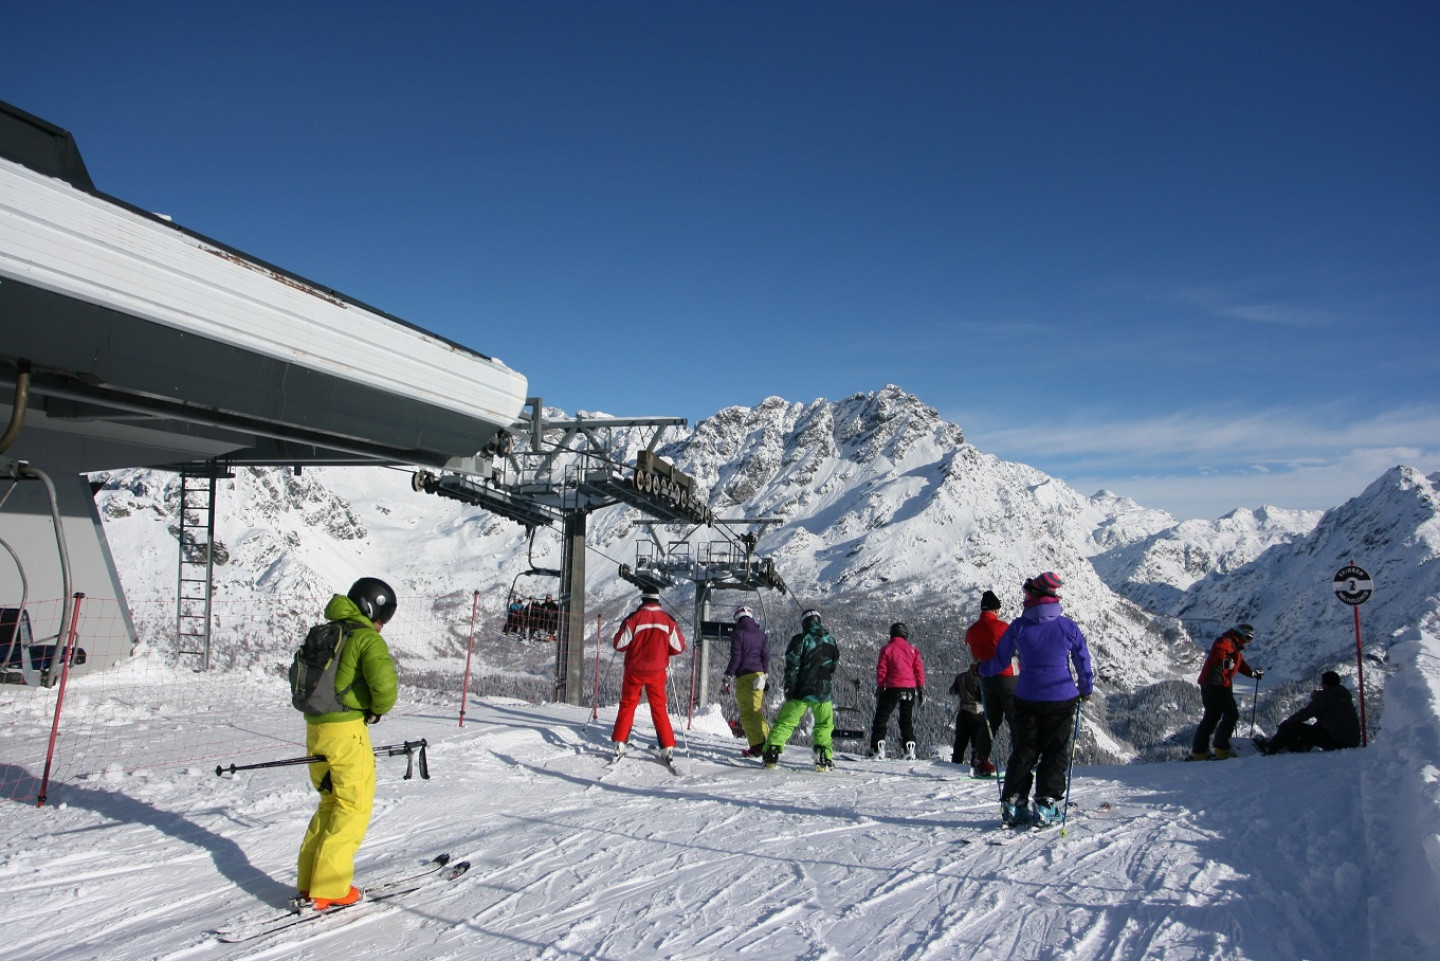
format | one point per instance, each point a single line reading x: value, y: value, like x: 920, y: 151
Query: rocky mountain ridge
x: 882, y: 511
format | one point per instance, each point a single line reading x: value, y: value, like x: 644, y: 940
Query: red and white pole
x: 469, y: 651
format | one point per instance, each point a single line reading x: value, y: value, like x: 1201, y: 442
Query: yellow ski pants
x: 346, y: 782
x: 752, y: 709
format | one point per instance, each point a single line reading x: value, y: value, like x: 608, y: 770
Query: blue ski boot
x: 1048, y: 811
x: 1015, y: 811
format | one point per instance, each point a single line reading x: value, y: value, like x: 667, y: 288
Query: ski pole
x: 409, y: 749
x: 312, y: 759
x: 1070, y: 774
x: 1253, y: 701
x: 389, y: 750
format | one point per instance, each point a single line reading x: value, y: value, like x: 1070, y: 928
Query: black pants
x: 1299, y: 736
x: 970, y: 729
x: 1221, y: 714
x: 998, y: 694
x: 1042, y: 732
x: 885, y: 703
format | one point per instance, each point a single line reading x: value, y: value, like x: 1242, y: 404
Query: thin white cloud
x: 1285, y: 315
x: 1207, y: 463
x: 1217, y: 439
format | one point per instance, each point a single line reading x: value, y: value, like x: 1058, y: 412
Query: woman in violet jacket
x: 1045, y: 695
x: 749, y: 663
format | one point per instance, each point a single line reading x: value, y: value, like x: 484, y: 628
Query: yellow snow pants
x: 752, y: 709
x: 346, y: 782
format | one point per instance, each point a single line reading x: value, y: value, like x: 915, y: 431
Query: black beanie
x: 989, y: 602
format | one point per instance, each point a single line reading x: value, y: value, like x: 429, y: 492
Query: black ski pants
x: 885, y: 703
x: 972, y: 730
x: 1219, y: 719
x: 1042, y: 732
x: 1299, y: 736
x: 998, y: 696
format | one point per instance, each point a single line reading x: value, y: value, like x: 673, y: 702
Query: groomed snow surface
x: 1319, y: 856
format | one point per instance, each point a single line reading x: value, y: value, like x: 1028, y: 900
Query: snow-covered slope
x: 1155, y: 571
x: 1327, y: 857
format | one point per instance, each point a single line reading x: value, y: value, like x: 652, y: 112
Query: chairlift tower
x: 564, y: 471
x: 729, y: 563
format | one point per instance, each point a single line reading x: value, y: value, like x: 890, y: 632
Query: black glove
x: 372, y: 718
x: 1257, y: 673
x: 919, y: 696
x: 790, y: 694
x: 725, y: 688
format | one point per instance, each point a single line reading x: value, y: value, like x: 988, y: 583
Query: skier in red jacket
x: 649, y: 637
x: 996, y: 693
x: 1227, y: 655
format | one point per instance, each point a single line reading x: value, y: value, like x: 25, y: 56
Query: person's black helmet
x: 374, y: 598
x: 1245, y: 632
x: 898, y: 629
x: 808, y: 619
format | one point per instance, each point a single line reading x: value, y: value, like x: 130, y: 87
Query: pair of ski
x: 669, y: 762
x: 378, y: 896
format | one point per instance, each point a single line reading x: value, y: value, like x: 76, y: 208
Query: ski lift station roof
x: 150, y: 345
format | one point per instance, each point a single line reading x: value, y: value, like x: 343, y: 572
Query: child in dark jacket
x: 970, y: 726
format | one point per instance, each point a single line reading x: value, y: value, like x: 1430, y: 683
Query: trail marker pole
x: 1353, y: 586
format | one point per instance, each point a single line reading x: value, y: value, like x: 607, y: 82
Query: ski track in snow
x: 577, y: 859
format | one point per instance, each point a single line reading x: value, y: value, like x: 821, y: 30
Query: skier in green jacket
x: 810, y: 661
x: 366, y: 685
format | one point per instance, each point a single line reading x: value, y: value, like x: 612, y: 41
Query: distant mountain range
x: 882, y: 512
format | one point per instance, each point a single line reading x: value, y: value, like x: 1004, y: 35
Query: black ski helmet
x: 809, y: 618
x: 898, y: 629
x: 374, y: 598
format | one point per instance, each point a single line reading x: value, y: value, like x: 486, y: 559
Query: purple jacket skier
x: 749, y: 663
x: 1048, y: 643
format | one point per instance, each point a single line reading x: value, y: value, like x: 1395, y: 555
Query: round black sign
x: 1353, y: 585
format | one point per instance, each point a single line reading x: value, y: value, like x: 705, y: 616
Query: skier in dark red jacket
x: 1227, y: 655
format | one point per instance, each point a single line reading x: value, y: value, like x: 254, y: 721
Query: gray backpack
x: 312, y: 672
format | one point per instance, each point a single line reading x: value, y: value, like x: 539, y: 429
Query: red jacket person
x: 1227, y: 656
x: 649, y: 637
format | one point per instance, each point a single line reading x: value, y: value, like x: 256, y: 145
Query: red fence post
x: 469, y: 650
x: 59, y: 697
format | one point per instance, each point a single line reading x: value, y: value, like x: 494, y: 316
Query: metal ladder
x: 196, y: 583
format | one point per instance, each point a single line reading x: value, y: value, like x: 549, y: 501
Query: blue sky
x: 1186, y: 252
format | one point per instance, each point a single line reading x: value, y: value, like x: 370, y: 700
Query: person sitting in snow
x: 1227, y: 656
x: 1335, y: 723
x: 810, y: 661
x: 899, y: 682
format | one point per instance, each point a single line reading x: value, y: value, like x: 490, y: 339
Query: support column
x: 570, y: 643
x: 701, y: 654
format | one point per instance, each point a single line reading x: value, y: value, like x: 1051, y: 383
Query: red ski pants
x: 653, y: 684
